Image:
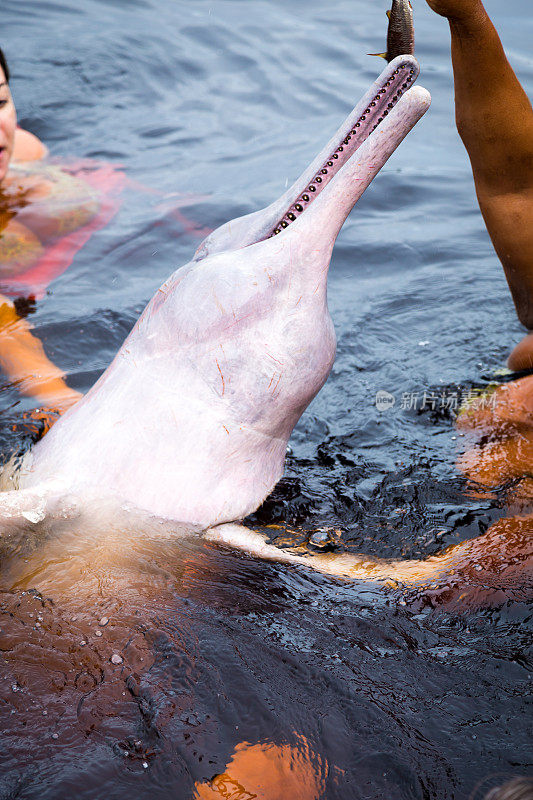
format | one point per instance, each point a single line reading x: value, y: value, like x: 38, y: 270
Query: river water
x: 216, y: 107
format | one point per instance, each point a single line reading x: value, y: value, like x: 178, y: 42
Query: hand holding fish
x: 457, y: 10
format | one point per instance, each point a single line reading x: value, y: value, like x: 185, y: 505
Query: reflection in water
x: 145, y: 653
x: 268, y: 772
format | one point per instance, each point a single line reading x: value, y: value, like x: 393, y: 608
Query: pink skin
x: 8, y: 126
x: 191, y: 420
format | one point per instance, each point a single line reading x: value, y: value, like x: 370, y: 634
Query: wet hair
x: 3, y: 64
x: 517, y: 789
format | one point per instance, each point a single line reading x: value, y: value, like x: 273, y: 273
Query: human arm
x: 495, y: 121
x: 24, y: 362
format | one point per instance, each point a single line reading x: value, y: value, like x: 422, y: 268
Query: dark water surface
x: 218, y: 105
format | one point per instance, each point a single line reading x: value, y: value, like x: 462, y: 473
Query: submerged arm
x: 23, y: 360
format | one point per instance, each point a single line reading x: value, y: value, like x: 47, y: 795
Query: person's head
x: 8, y: 119
x: 516, y: 789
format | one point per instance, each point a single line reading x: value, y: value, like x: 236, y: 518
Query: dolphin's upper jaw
x: 376, y: 105
x: 398, y: 80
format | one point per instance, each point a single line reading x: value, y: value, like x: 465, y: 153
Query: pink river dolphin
x: 191, y: 420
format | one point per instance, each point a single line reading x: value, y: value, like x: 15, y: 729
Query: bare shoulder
x: 28, y: 147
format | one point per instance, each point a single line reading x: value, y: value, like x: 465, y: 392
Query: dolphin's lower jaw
x: 369, y: 114
x: 392, y: 85
x: 192, y: 419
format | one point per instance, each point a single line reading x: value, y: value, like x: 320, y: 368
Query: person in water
x: 47, y: 212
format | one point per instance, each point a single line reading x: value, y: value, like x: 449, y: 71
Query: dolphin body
x: 191, y: 420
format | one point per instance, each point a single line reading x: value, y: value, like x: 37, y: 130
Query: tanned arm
x: 495, y: 121
x: 23, y: 360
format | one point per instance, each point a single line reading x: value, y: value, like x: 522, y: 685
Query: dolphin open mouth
x: 359, y: 126
x: 357, y: 133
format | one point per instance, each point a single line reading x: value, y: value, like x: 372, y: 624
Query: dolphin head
x: 343, y: 169
x: 191, y: 420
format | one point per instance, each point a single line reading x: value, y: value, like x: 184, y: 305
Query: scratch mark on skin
x: 276, y: 386
x: 222, y: 376
x: 299, y: 299
x: 225, y: 429
x: 274, y: 359
x: 218, y: 303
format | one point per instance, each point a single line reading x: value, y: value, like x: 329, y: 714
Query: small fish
x: 401, y: 32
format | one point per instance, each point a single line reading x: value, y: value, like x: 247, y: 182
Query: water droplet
x: 103, y: 622
x: 116, y: 659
